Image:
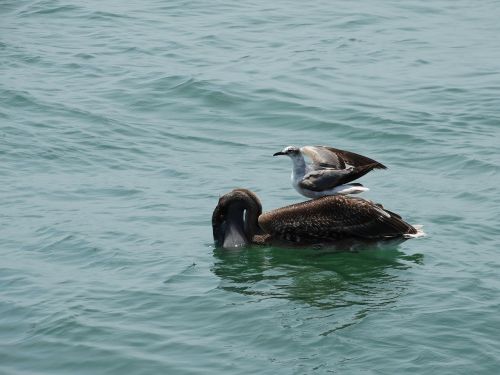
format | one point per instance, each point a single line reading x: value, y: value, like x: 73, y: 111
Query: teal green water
x: 122, y: 122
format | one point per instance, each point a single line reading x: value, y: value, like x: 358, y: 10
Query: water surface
x: 121, y: 123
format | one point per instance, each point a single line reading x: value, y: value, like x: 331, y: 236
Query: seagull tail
x: 354, y: 188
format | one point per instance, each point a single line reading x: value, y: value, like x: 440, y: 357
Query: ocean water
x: 121, y: 123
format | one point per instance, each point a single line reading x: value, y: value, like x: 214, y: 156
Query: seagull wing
x: 352, y: 158
x: 332, y: 218
x: 328, y: 178
x: 321, y: 157
x: 324, y: 156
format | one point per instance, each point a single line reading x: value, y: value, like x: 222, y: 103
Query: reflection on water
x: 324, y: 279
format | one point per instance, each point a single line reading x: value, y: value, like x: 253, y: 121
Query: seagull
x: 329, y: 172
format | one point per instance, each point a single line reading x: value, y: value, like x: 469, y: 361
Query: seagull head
x: 290, y: 151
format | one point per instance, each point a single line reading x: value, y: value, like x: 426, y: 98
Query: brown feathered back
x: 333, y: 217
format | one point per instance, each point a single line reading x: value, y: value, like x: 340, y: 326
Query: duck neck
x: 235, y: 220
x: 252, y: 213
x: 237, y: 234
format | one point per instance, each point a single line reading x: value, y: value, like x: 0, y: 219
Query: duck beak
x: 279, y: 153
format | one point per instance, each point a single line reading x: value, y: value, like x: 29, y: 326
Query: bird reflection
x: 325, y: 279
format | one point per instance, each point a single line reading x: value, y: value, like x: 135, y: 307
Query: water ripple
x: 122, y: 123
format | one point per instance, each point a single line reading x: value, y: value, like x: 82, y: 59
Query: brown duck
x: 238, y: 220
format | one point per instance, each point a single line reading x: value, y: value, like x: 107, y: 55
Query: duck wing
x: 333, y: 218
x: 327, y: 178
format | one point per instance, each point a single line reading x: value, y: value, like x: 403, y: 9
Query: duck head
x: 234, y: 220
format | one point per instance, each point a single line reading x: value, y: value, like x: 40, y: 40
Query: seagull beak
x: 279, y: 153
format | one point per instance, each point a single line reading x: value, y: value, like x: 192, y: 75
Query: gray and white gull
x: 329, y: 172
